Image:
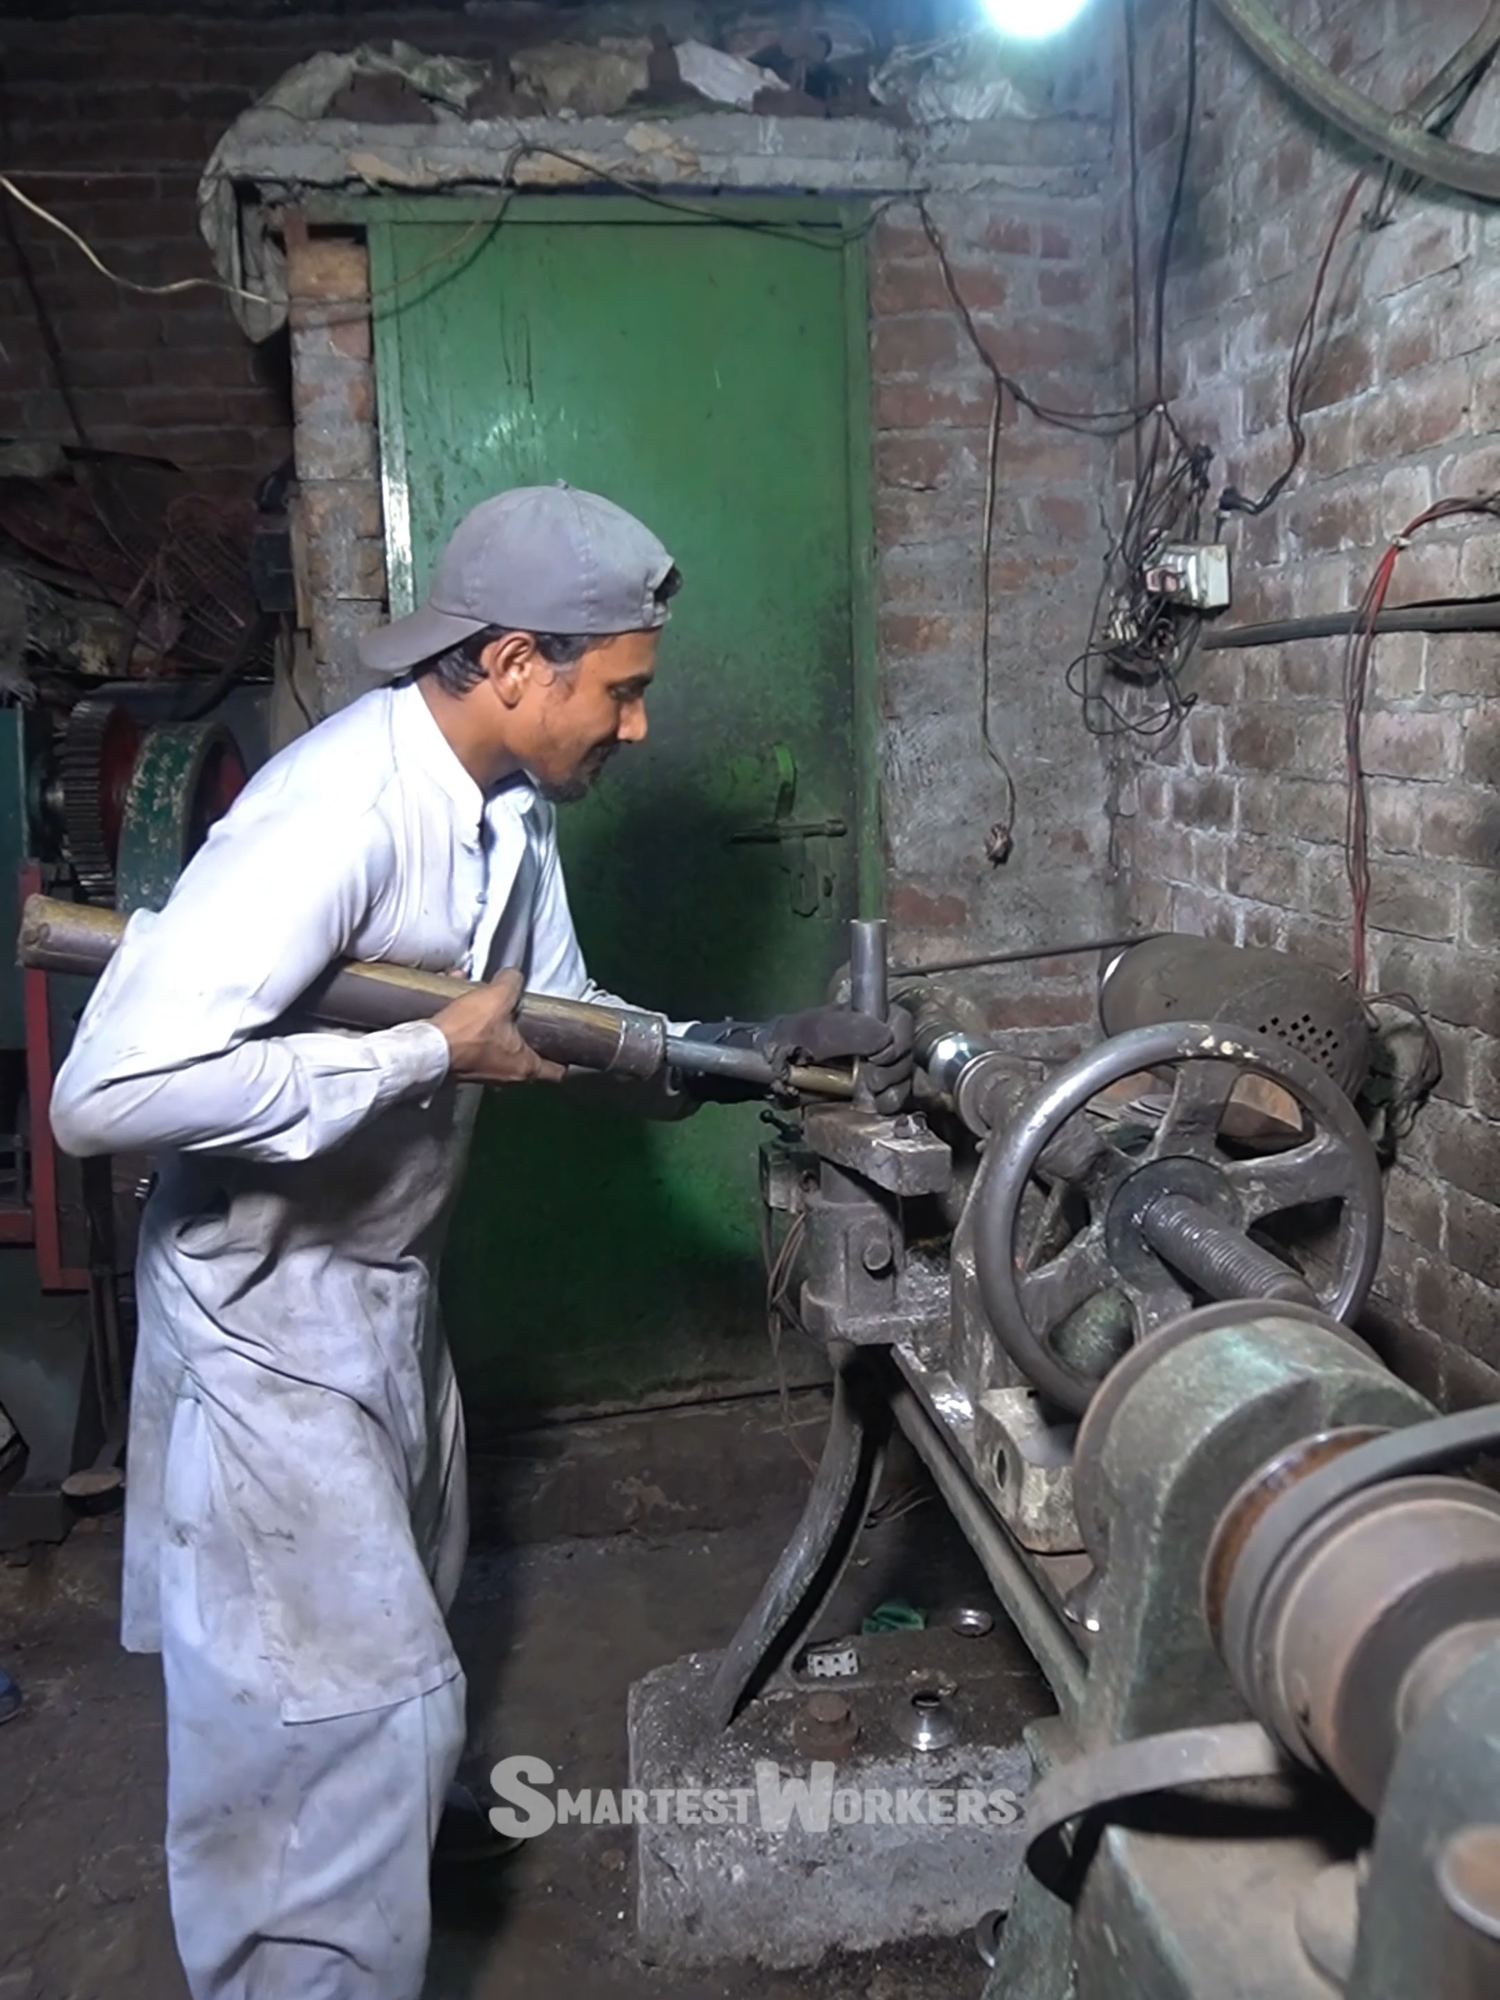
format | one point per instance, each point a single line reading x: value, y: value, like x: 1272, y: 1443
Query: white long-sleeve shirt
x: 287, y: 1267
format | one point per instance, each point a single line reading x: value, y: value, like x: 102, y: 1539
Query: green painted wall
x: 709, y: 377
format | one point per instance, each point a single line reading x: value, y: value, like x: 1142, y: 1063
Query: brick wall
x: 1032, y: 274
x: 1237, y: 828
x: 109, y: 120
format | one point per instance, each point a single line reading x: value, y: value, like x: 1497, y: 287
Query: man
x: 296, y: 1513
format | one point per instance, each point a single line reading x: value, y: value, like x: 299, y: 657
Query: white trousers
x: 297, y: 1853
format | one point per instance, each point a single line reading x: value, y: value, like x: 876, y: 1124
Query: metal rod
x: 1026, y: 957
x: 1478, y: 614
x: 1025, y: 1603
x: 76, y: 938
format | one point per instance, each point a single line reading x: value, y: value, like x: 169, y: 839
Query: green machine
x: 103, y: 798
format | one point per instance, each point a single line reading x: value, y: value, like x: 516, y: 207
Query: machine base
x: 830, y: 1842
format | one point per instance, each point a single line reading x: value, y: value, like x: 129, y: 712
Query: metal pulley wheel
x: 1139, y: 1222
x: 187, y: 775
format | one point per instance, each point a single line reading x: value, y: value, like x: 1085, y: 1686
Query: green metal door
x: 708, y: 375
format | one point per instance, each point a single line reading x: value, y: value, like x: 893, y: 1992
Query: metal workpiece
x: 943, y: 1047
x: 1270, y: 994
x: 869, y: 988
x: 869, y: 984
x: 74, y: 938
x: 1031, y: 1284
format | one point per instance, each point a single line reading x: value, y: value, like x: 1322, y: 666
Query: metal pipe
x: 869, y: 989
x: 1218, y: 1260
x: 1024, y: 1601
x: 1477, y: 614
x: 76, y: 938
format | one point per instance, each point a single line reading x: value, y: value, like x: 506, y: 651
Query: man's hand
x: 484, y: 1043
x: 883, y: 1050
x: 833, y: 1034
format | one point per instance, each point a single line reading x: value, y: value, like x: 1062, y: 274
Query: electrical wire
x: 1300, y: 373
x: 1358, y: 656
x: 1433, y: 106
x: 1138, y: 636
x: 126, y: 284
x: 811, y: 236
x: 51, y: 345
x: 1174, y: 207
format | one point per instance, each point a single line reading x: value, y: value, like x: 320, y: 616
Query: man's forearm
x: 279, y: 1098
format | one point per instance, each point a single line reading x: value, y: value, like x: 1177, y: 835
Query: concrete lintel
x: 281, y: 154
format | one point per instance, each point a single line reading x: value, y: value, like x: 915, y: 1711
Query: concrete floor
x: 552, y: 1632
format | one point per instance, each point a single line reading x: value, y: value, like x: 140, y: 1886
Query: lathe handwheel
x: 1029, y: 1299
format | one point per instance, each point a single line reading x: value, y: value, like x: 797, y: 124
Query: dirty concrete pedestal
x: 813, y: 1822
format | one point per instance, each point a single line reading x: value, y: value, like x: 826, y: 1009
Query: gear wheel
x: 100, y: 748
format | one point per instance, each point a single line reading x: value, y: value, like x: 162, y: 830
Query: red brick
x: 1070, y: 520
x: 914, y: 406
x: 1412, y: 415
x: 1416, y: 902
x: 1403, y: 744
x: 909, y: 287
x: 1473, y: 1237
x: 913, y: 345
x: 923, y: 463
x: 1461, y: 826
x: 916, y: 910
x: 1009, y: 235
x: 1040, y: 1009
x: 913, y: 632
x: 1346, y: 369
x: 1261, y: 741
x: 1062, y: 288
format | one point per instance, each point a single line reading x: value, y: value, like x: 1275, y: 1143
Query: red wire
x: 1357, y: 660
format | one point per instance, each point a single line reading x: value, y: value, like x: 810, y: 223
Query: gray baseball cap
x: 536, y: 559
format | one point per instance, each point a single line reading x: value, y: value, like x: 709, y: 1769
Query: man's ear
x: 508, y: 665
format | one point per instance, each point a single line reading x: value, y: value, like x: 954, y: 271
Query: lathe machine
x: 1113, y: 1308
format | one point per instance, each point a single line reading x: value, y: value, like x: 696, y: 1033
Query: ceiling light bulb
x: 1031, y: 20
